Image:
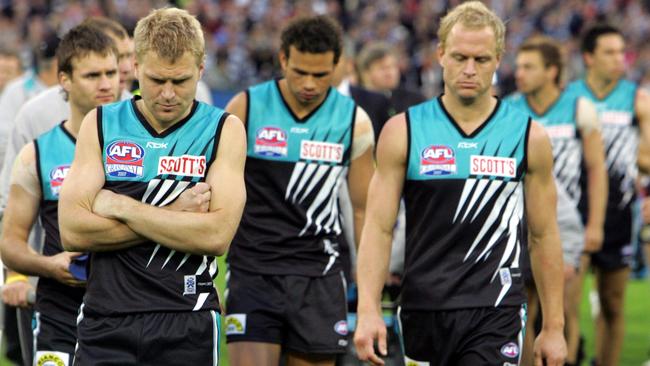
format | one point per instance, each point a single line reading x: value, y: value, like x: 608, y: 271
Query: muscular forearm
x: 548, y: 266
x: 207, y: 233
x: 597, y: 188
x: 82, y: 230
x: 18, y: 256
x: 372, y: 268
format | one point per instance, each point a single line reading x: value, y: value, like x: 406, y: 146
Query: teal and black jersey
x: 620, y: 133
x: 54, y: 154
x: 154, y: 168
x: 560, y: 123
x: 465, y: 212
x: 294, y: 169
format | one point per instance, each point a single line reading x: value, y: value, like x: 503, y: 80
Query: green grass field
x: 636, y: 349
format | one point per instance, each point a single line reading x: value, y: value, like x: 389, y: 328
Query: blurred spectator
x: 379, y: 71
x: 242, y: 34
x: 10, y: 67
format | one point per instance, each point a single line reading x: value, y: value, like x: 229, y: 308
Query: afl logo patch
x: 510, y: 350
x: 124, y: 159
x: 437, y: 160
x: 341, y: 327
x: 271, y: 142
x: 57, y: 175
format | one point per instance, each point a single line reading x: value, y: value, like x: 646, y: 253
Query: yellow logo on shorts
x: 410, y: 362
x: 51, y: 358
x: 235, y: 324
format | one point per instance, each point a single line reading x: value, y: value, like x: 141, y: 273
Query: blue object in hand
x: 78, y: 267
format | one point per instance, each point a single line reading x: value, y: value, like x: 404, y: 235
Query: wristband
x: 15, y: 278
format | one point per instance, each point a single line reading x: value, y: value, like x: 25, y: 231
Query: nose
x: 167, y: 91
x: 469, y: 68
x: 105, y: 82
x: 310, y: 83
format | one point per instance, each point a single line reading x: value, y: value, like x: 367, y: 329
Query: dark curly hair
x: 318, y: 34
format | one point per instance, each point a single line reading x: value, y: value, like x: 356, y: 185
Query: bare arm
x: 20, y: 215
x: 81, y: 229
x: 544, y: 246
x: 361, y: 169
x: 193, y: 232
x: 238, y: 106
x: 597, y: 190
x: 642, y: 107
x: 374, y: 251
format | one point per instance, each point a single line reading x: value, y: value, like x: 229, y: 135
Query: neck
x: 541, y: 99
x: 469, y: 115
x: 598, y: 85
x: 73, y: 124
x: 299, y: 109
x: 157, y: 125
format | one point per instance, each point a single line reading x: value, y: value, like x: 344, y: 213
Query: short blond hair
x: 474, y: 15
x: 169, y: 32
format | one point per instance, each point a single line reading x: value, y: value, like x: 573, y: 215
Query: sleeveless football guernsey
x: 154, y: 168
x: 465, y: 212
x: 294, y: 169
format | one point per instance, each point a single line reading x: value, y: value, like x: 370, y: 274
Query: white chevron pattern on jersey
x: 304, y: 178
x: 164, y: 186
x: 566, y: 167
x: 508, y: 208
x: 621, y: 145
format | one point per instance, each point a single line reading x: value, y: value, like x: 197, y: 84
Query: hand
x: 59, y: 268
x: 550, y: 348
x: 17, y: 293
x: 593, y: 238
x: 370, y: 327
x: 104, y: 203
x: 195, y: 199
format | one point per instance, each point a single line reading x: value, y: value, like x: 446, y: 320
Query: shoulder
x: 642, y: 104
x: 27, y: 154
x: 395, y: 128
x: 539, y: 146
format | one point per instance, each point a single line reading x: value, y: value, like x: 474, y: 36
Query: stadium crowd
x: 242, y: 36
x: 242, y: 39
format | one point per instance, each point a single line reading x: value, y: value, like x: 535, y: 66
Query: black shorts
x: 467, y: 337
x: 54, y: 341
x: 613, y: 256
x: 188, y: 338
x: 303, y: 314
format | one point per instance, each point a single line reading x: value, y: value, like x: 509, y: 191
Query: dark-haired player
x: 624, y: 114
x: 286, y: 287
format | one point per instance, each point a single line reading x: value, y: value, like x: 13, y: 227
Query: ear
x: 587, y: 58
x: 283, y: 60
x: 136, y: 69
x: 65, y: 81
x: 201, y: 69
x: 553, y: 72
x: 440, y: 52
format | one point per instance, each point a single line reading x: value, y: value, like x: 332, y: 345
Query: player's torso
x: 54, y: 154
x: 154, y: 168
x: 464, y: 209
x: 559, y: 121
x: 620, y: 136
x: 293, y: 172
